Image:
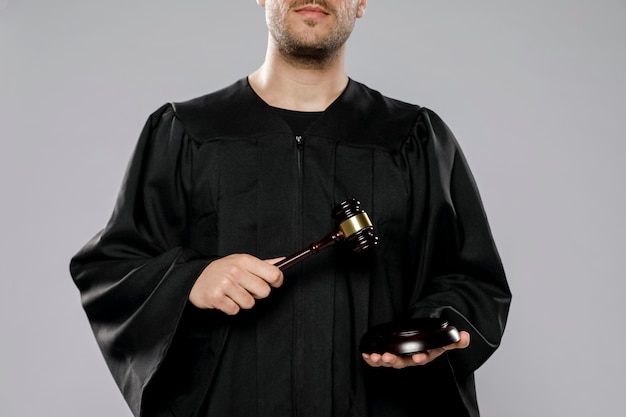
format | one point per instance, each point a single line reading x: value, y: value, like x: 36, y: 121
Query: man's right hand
x: 235, y: 282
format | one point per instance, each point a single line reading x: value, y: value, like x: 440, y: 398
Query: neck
x: 302, y: 86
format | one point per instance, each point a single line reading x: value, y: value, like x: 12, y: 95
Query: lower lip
x: 311, y: 14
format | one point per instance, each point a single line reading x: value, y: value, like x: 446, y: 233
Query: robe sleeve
x: 136, y: 274
x: 464, y: 281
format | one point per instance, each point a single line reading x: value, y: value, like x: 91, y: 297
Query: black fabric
x: 298, y: 121
x: 222, y: 174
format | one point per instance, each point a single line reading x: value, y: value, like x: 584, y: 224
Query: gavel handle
x: 305, y: 253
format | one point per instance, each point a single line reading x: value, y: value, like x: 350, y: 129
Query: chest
x: 271, y: 194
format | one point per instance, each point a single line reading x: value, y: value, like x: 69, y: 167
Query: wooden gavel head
x: 354, y: 226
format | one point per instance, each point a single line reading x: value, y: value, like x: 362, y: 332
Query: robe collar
x: 359, y: 115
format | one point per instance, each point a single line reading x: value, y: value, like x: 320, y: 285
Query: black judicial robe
x: 223, y: 174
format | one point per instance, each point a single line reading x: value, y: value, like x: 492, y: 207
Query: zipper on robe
x: 300, y: 147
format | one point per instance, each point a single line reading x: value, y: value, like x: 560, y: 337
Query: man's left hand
x: 389, y: 360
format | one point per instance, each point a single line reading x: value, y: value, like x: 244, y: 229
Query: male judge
x: 192, y: 315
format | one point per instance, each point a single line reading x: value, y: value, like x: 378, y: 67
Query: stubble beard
x: 307, y: 50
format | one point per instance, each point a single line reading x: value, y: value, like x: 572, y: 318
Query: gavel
x: 353, y: 227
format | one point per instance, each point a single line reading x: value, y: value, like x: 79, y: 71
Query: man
x: 191, y: 314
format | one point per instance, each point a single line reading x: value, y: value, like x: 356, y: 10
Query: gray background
x: 534, y: 91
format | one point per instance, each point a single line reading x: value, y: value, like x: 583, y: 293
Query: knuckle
x: 244, y: 258
x: 217, y: 295
x: 265, y: 291
x: 248, y: 303
x: 233, y: 270
x: 276, y: 278
x: 224, y: 282
x: 231, y: 311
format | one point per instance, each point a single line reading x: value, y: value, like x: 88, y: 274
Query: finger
x: 228, y: 306
x: 241, y: 296
x: 255, y: 286
x: 372, y: 360
x: 389, y: 360
x: 272, y: 275
x: 421, y: 358
x: 464, y: 341
x: 372, y: 357
x: 253, y: 275
x: 264, y: 270
x: 396, y: 361
x: 273, y: 261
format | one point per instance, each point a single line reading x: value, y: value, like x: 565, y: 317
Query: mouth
x: 312, y: 11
